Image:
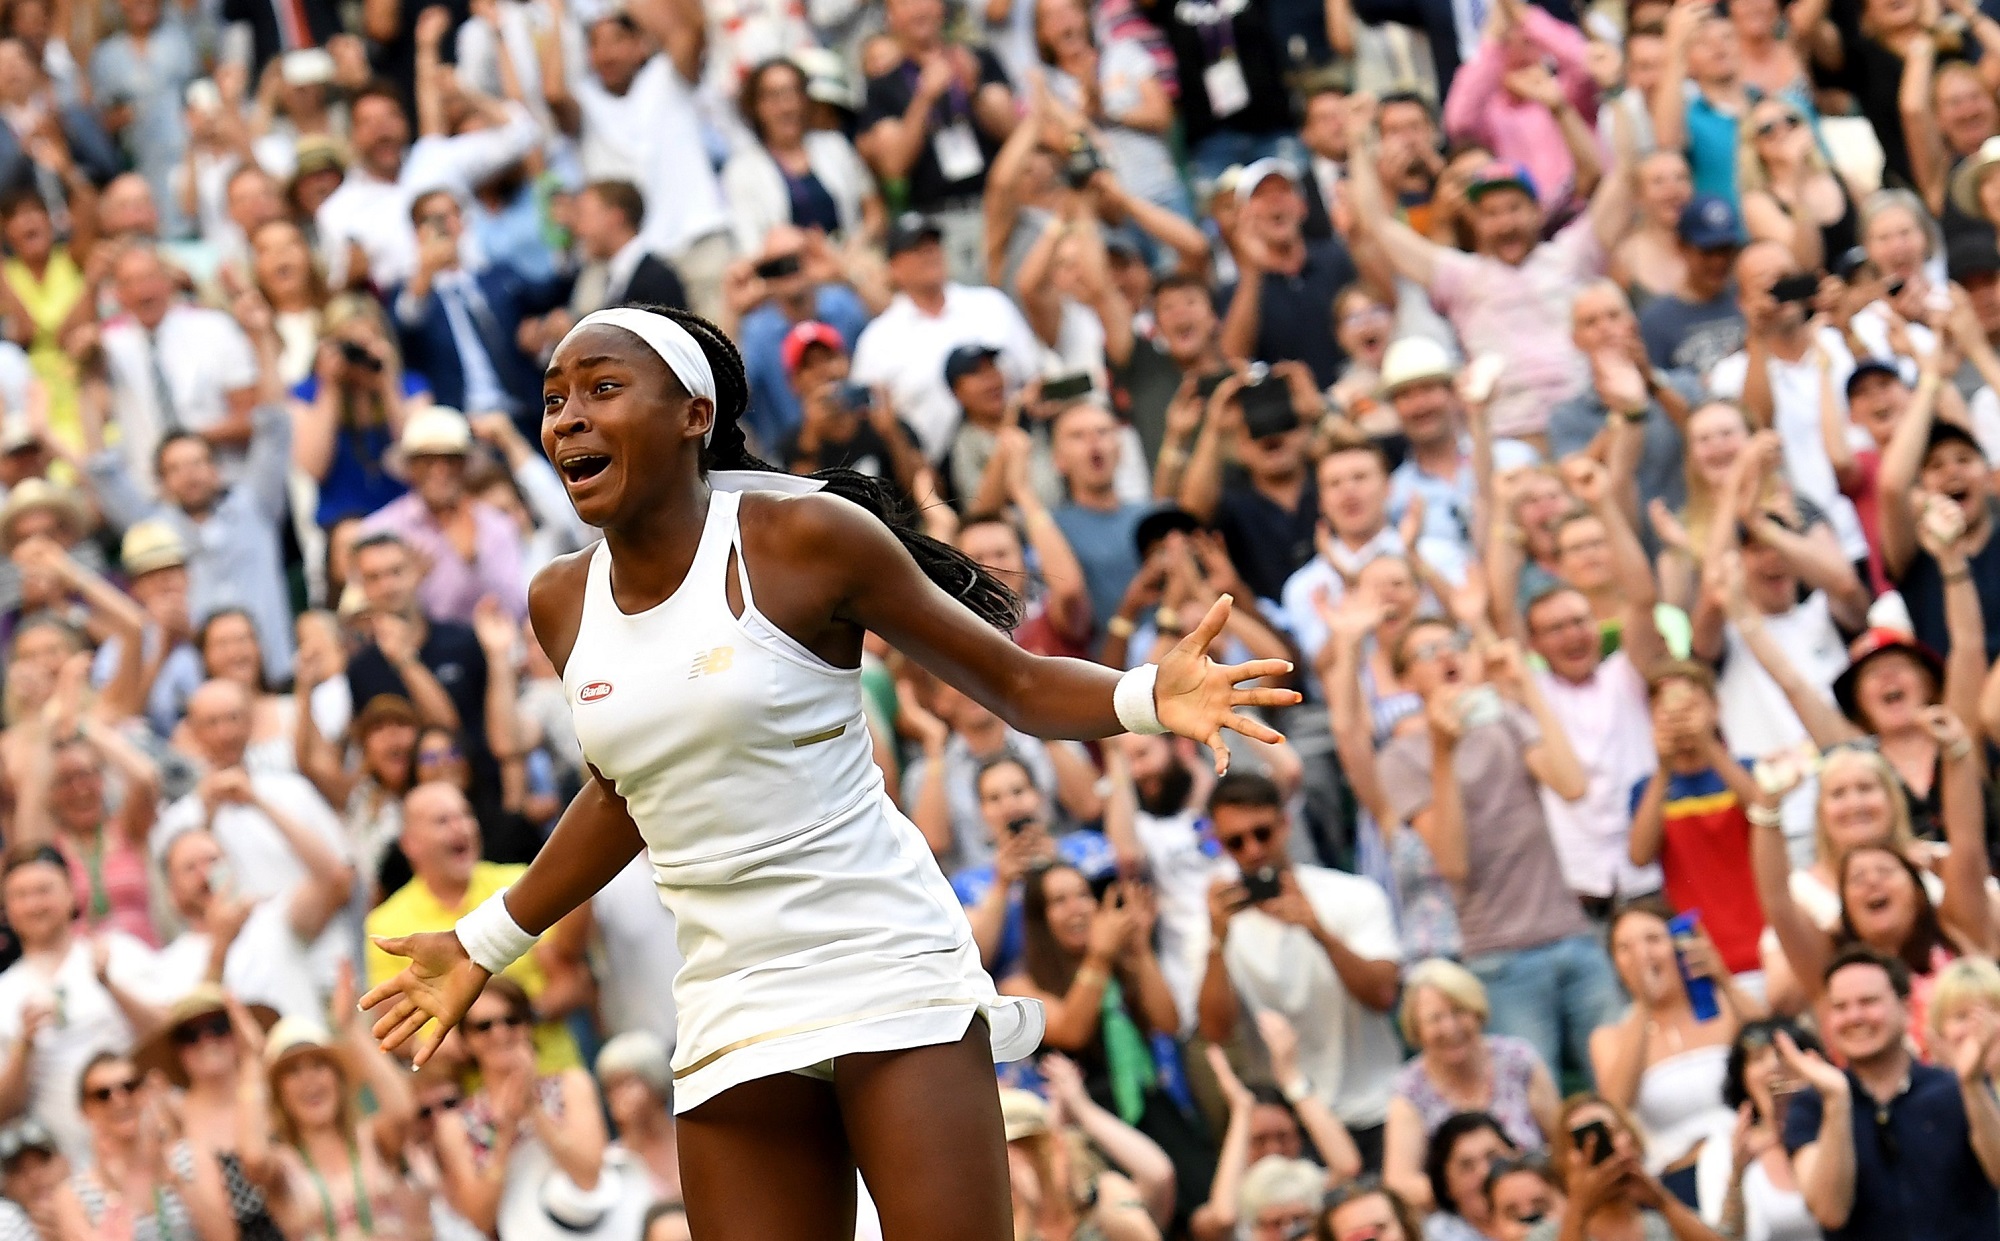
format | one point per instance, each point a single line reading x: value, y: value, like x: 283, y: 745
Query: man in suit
x: 460, y: 328
x: 618, y: 268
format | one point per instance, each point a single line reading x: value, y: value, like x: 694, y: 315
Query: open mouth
x: 584, y: 467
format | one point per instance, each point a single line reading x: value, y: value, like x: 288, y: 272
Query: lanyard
x: 364, y: 1215
x: 93, y: 863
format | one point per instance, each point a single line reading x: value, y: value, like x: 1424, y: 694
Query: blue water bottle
x: 1701, y: 991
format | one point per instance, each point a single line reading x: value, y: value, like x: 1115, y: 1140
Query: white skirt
x: 840, y: 938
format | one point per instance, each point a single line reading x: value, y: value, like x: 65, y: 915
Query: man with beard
x: 1316, y: 946
x: 1886, y: 1136
x: 1512, y: 296
x: 1154, y: 824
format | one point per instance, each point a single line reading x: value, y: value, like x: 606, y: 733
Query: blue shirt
x: 1088, y: 851
x: 1711, y: 147
x: 356, y: 484
x: 1915, y: 1176
x: 1102, y: 541
x: 774, y: 410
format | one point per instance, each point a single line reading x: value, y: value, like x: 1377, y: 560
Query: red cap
x: 811, y: 332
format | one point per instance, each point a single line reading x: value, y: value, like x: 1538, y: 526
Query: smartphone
x: 1480, y: 706
x: 1850, y: 262
x: 1700, y: 990
x: 355, y: 355
x: 1067, y: 387
x: 1593, y: 1139
x: 1802, y: 287
x: 1267, y: 408
x: 854, y: 398
x: 1263, y: 884
x: 778, y: 268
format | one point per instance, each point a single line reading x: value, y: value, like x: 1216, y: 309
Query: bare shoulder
x: 813, y: 527
x: 555, y: 603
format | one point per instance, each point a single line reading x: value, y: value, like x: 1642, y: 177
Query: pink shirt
x: 1480, y: 110
x: 454, y: 586
x: 1522, y: 314
x: 110, y: 884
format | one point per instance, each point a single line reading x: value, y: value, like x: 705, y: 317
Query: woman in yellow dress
x: 44, y: 293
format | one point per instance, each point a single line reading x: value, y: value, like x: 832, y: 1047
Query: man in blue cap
x: 1699, y: 324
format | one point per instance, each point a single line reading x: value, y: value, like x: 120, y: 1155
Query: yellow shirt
x: 414, y: 908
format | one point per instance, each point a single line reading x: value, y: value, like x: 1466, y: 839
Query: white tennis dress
x: 814, y: 922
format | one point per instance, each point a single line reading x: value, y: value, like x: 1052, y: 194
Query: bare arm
x: 1901, y: 461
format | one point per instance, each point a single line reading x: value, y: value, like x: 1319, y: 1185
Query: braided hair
x: 956, y: 573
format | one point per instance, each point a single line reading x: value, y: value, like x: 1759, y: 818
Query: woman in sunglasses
x: 1790, y: 194
x: 198, y: 1053
x: 519, y: 1129
x: 1764, y: 1200
x: 144, y: 1182
x: 329, y: 1172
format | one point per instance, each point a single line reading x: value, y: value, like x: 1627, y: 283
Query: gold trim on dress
x: 816, y: 738
x: 808, y: 1027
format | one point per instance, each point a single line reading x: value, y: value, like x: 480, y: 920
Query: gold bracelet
x: 1120, y: 627
x: 1166, y: 618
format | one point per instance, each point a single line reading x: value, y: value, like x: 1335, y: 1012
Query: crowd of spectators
x: 1598, y: 404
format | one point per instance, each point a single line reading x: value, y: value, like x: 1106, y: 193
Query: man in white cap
x: 155, y: 563
x: 473, y: 549
x: 1282, y: 306
x: 1442, y: 470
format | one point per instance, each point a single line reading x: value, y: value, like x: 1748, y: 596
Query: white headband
x: 675, y: 345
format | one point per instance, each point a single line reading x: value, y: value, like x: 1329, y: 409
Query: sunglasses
x: 1234, y: 844
x: 511, y: 1021
x: 104, y: 1094
x: 216, y: 1025
x: 440, y: 755
x: 1779, y: 125
x: 442, y: 1106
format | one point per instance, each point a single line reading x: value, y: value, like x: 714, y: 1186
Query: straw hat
x: 1966, y: 181
x: 1024, y: 1114
x: 295, y: 1036
x: 31, y: 494
x: 151, y: 545
x: 206, y: 1000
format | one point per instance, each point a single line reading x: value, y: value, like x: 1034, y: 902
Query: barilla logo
x: 594, y: 691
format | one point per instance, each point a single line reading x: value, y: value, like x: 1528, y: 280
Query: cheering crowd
x: 1599, y: 407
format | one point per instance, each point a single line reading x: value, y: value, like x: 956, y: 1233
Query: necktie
x: 163, y: 389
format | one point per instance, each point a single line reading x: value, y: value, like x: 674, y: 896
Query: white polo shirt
x: 904, y: 350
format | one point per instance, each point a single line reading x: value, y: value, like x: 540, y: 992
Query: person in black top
x: 847, y: 426
x: 1282, y: 308
x: 936, y: 121
x: 1941, y: 459
x: 1233, y: 104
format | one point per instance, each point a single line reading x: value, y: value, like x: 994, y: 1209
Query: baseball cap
x: 1865, y: 367
x: 1975, y: 255
x: 966, y: 359
x: 1500, y: 174
x: 803, y: 336
x: 1259, y: 171
x: 1943, y: 432
x: 912, y: 229
x: 1160, y: 523
x: 1710, y: 223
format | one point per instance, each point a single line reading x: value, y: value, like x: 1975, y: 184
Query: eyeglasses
x: 1779, y: 125
x: 1234, y: 844
x: 482, y: 1026
x: 1434, y: 647
x: 104, y: 1094
x: 442, y: 754
x: 215, y: 1025
x: 447, y: 1104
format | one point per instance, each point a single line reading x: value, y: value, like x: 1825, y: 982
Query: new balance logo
x: 710, y: 662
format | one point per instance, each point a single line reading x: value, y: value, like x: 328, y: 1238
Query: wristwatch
x: 1296, y: 1091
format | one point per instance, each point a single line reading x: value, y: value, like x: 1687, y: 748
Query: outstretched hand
x: 1197, y: 698
x: 439, y: 985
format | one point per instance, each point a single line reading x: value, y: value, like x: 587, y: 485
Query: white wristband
x: 1133, y: 701
x: 491, y: 937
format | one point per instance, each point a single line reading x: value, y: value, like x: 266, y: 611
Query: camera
x: 1083, y: 162
x: 778, y: 268
x: 357, y: 356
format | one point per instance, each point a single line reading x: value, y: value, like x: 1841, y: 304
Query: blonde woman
x: 1967, y: 998
x: 1790, y: 194
x: 329, y: 1173
x: 1458, y: 1068
x: 1716, y: 434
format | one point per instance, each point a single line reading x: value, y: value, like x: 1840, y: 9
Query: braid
x: 956, y: 573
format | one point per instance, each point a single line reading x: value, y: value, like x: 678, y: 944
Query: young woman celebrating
x: 711, y: 646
